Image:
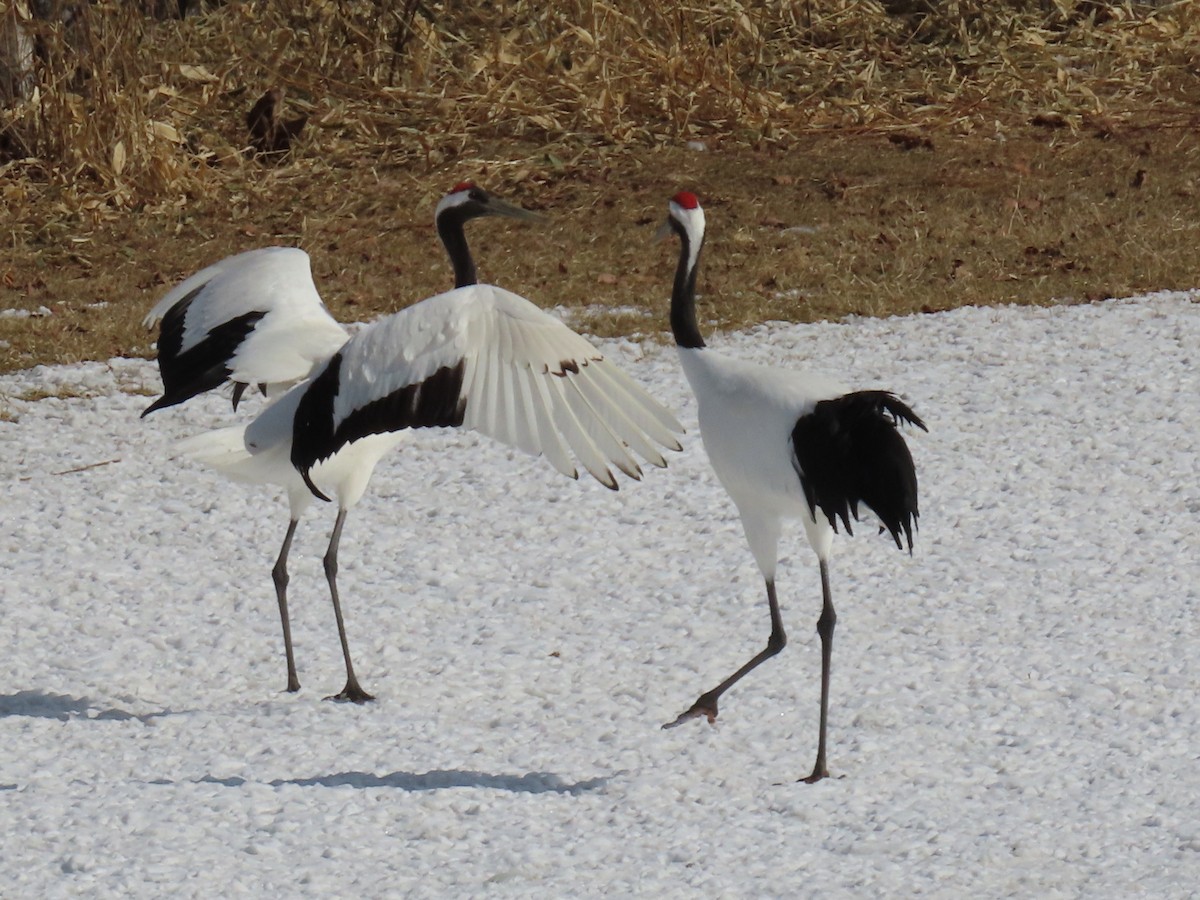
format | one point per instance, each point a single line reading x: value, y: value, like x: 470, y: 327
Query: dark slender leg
x: 352, y: 690
x: 825, y: 626
x: 706, y: 705
x: 280, y: 576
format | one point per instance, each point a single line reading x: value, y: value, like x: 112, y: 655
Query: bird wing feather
x: 622, y: 424
x: 653, y: 417
x: 520, y: 376
x: 548, y: 440
x: 576, y: 437
x: 253, y: 318
x: 603, y: 432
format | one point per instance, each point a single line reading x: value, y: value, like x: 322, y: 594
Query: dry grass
x: 859, y: 156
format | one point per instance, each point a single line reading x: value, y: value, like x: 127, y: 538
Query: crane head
x: 469, y: 201
x: 684, y: 215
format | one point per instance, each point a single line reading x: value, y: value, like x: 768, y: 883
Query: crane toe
x: 352, y: 694
x: 705, y: 706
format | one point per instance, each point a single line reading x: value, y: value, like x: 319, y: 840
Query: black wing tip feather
x: 161, y: 403
x: 183, y: 393
x: 180, y: 388
x: 897, y: 409
x: 907, y: 528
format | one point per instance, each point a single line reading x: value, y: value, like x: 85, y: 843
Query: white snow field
x: 1014, y: 709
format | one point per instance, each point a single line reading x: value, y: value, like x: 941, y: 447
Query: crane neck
x: 450, y: 229
x: 683, y: 293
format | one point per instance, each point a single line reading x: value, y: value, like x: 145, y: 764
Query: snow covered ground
x: 1015, y: 707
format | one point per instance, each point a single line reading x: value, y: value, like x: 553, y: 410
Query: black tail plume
x: 848, y: 451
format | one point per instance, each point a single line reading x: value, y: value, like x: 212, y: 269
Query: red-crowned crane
x: 788, y: 445
x: 477, y: 357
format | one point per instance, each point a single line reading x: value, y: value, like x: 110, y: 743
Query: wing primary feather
x: 645, y: 402
x: 549, y: 440
x: 543, y: 350
x: 616, y: 417
x: 597, y: 427
x: 506, y: 406
x: 491, y: 397
x: 504, y: 341
x: 522, y: 410
x: 648, y: 403
x: 519, y: 360
x: 646, y: 412
x: 470, y: 393
x: 570, y: 428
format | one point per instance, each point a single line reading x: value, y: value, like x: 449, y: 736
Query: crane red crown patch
x: 686, y: 199
x: 462, y: 186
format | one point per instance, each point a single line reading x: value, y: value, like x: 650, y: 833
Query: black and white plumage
x: 257, y: 318
x: 789, y: 445
x: 253, y: 318
x: 477, y: 357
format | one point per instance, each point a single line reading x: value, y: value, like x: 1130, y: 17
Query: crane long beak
x: 664, y: 232
x: 498, y: 207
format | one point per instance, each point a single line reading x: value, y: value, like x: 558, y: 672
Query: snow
x: 1013, y: 708
x: 40, y: 312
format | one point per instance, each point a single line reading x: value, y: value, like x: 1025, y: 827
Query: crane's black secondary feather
x: 186, y: 373
x: 848, y: 451
x: 436, y: 402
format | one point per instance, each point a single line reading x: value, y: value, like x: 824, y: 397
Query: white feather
x: 747, y: 413
x: 598, y: 427
x: 225, y: 451
x: 296, y: 332
x: 571, y: 429
x: 617, y: 418
x: 550, y: 441
x: 519, y: 384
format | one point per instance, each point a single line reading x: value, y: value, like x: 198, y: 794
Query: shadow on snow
x: 531, y: 783
x: 43, y: 705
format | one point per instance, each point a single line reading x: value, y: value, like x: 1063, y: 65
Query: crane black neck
x: 683, y: 294
x: 450, y: 228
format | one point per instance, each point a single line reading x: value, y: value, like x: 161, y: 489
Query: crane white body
x: 344, y: 476
x: 746, y: 414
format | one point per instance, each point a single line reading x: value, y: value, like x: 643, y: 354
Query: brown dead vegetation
x: 854, y: 156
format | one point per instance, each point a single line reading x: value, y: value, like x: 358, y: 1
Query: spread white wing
x: 481, y: 357
x: 253, y: 318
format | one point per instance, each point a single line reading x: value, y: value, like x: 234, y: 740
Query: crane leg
x: 706, y: 705
x: 280, y: 576
x: 352, y: 691
x: 825, y: 626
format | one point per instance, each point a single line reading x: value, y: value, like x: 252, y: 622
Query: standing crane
x: 788, y: 445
